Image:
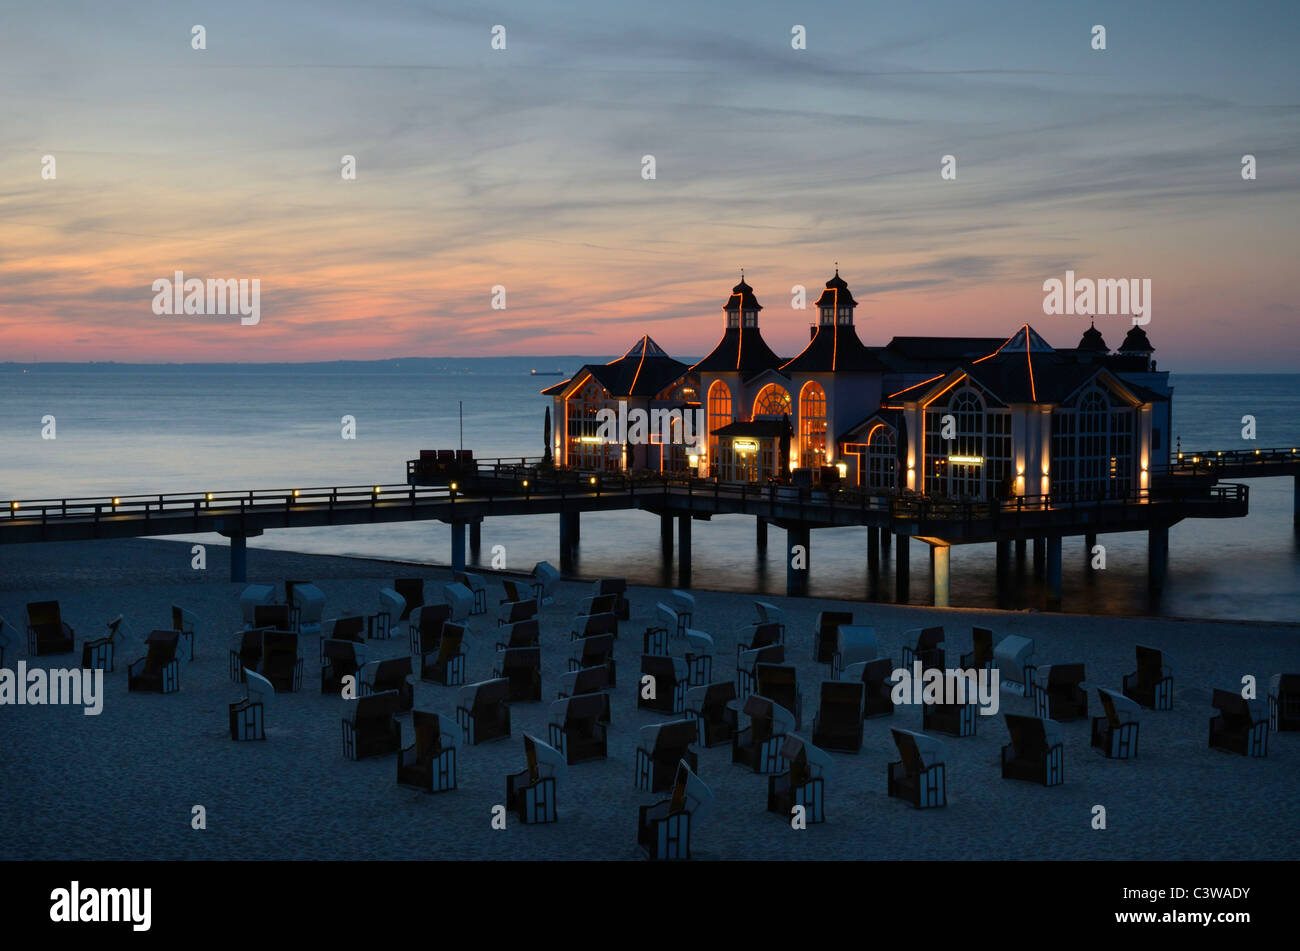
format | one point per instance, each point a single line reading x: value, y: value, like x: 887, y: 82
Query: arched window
x: 955, y: 449
x: 812, y: 425
x: 720, y: 414
x: 882, y: 459
x: 772, y: 400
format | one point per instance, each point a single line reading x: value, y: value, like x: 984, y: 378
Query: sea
x: 122, y: 429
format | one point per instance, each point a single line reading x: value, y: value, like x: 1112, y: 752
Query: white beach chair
x: 544, y: 578
x: 660, y: 747
x: 761, y: 753
x: 308, y: 606
x: 532, y: 792
x: 854, y: 644
x: 699, y: 657
x: 184, y: 622
x: 248, y: 716
x: 253, y: 597
x: 919, y: 776
x: 477, y: 587
x: 461, y: 600
x: 1014, y: 656
x: 803, y: 782
x: 664, y: 828
x: 384, y: 622
x: 768, y: 613
x: 1115, y: 732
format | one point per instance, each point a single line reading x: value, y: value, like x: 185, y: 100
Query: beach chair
x: 381, y: 676
x: 544, y: 579
x: 308, y: 609
x: 958, y: 718
x: 854, y: 644
x: 1115, y: 733
x: 1036, y: 752
x: 159, y: 671
x: 1152, y: 684
x: 246, y: 653
x: 512, y: 612
x: 371, y: 727
x: 184, y: 622
x: 677, y: 613
x: 597, y: 604
x: 617, y: 587
x: 252, y: 597
x: 1014, y: 658
x: 666, y: 691
x: 981, y: 654
x: 482, y: 711
x: 521, y: 667
x: 590, y: 681
x: 919, y: 775
x: 780, y: 684
x: 445, y: 663
x: 768, y: 613
x: 837, y: 725
x: 802, y: 783
x: 281, y: 661
x: 655, y: 641
x: 382, y: 624
x: 7, y: 642
x: 514, y: 592
x: 412, y: 593
x: 424, y: 627
x: 349, y: 628
x: 248, y: 716
x: 708, y: 706
x: 428, y: 764
x: 824, y: 637
x: 660, y: 747
x: 1240, y: 726
x: 98, y: 654
x: 664, y: 828
x: 460, y: 601
x: 747, y: 664
x: 530, y: 793
x: 272, y: 616
x: 1058, y: 692
x: 577, y: 729
x: 594, y: 652
x: 477, y: 587
x: 762, y: 727
x: 767, y: 634
x: 47, y: 632
x: 928, y: 650
x: 1284, y: 702
x: 522, y: 634
x: 877, y: 677
x: 699, y: 658
x: 339, y: 659
x: 594, y: 625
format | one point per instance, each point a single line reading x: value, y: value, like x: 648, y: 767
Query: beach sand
x: 122, y: 785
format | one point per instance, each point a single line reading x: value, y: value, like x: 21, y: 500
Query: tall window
x: 1092, y: 447
x: 772, y: 400
x: 812, y: 425
x: 882, y: 460
x: 720, y: 414
x: 585, y: 449
x: 975, y: 463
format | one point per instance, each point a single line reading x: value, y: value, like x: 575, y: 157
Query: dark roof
x: 1093, y: 341
x: 557, y: 388
x: 742, y: 298
x: 741, y: 348
x: 1136, y: 342
x: 837, y: 293
x: 835, y: 348
x: 890, y: 417
x: 643, y: 371
x: 761, y: 428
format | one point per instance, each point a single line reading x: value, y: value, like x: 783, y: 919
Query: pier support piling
x: 1003, y: 562
x: 902, y: 561
x: 873, y: 549
x: 475, y: 538
x: 1040, y: 557
x: 939, y: 564
x: 683, y: 551
x: 884, y: 542
x: 570, y: 525
x: 457, y: 546
x: 1020, y: 552
x: 239, y: 558
x: 1157, y: 557
x: 760, y: 535
x: 1053, y: 573
x: 1089, y: 543
x: 798, y: 546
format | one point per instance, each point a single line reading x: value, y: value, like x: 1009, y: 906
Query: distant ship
x: 547, y: 372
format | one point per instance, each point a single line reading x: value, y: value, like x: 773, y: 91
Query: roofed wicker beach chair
x: 981, y: 654
x: 1014, y: 658
x: 371, y: 727
x: 802, y: 784
x: 545, y: 578
x: 159, y: 671
x: 597, y: 604
x: 590, y: 681
x: 708, y: 707
x: 594, y: 652
x: 767, y: 634
x: 281, y: 662
x: 47, y: 632
x: 521, y: 634
x: 7, y: 642
x: 383, y: 623
x: 477, y: 587
x: 1152, y: 684
x: 531, y: 792
x: 522, y: 668
x: 762, y: 727
x: 766, y: 612
x: 577, y: 728
x: 482, y: 711
x: 412, y: 592
x: 919, y: 775
x: 252, y: 597
x: 514, y: 591
x: 699, y: 657
x: 1058, y: 692
x: 339, y: 659
x: 308, y: 609
x: 854, y: 644
x: 877, y: 678
x: 655, y: 641
x: 429, y: 763
x: 380, y: 676
x: 424, y: 626
x: 1284, y: 702
x: 594, y: 625
x: 245, y: 652
x: 747, y: 667
x: 928, y: 650
x: 618, y: 588
x: 958, y: 717
x: 348, y: 628
x: 666, y: 691
x: 664, y: 828
x: 273, y: 616
x: 512, y: 612
x: 824, y: 637
x: 184, y: 622
x: 99, y: 654
x: 460, y: 601
x: 677, y: 613
x: 445, y: 663
x: 1036, y: 752
x: 248, y: 716
x: 1240, y: 726
x: 1115, y: 732
x: 780, y: 683
x: 837, y: 725
x: 659, y: 748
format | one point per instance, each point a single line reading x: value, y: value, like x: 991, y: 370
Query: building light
x: 376, y: 490
x: 589, y: 439
x: 453, y: 487
x: 295, y: 493
x: 525, y: 483
x: 844, y: 470
x: 117, y: 501
x: 593, y: 481
x: 13, y: 505
x: 694, y: 459
x: 967, y: 460
x: 745, y: 445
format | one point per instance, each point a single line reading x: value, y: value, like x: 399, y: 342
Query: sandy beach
x: 122, y: 785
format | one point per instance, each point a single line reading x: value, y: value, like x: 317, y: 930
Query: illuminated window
x: 720, y: 414
x: 812, y: 425
x: 882, y: 460
x: 772, y: 400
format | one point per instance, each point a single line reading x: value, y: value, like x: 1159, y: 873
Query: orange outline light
x: 645, y: 340
x: 915, y: 385
x: 1033, y: 391
x: 943, y: 391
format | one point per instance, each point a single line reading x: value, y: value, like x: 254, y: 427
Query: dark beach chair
x: 339, y: 659
x: 577, y: 728
x: 392, y: 608
x: 957, y: 718
x: 655, y: 641
x: 597, y: 604
x: 585, y: 682
x: 919, y: 775
x: 837, y: 725
x: 824, y: 638
x: 780, y: 684
x: 666, y: 693
x: 981, y: 654
x: 514, y: 592
x: 281, y: 661
x: 618, y: 588
x: 877, y: 677
x: 445, y: 663
x: 352, y: 628
x: 477, y: 587
x: 854, y: 644
x: 758, y: 744
x: 928, y: 650
x: 1152, y: 684
x: 371, y: 727
x: 803, y: 783
x: 699, y: 657
x: 1036, y: 751
x: 1115, y: 733
x: 482, y: 711
x: 768, y: 634
x: 412, y: 592
x: 1284, y: 702
x: 1058, y: 692
x: 522, y: 634
x: 99, y: 654
x: 708, y: 707
x: 47, y: 633
x: 394, y: 674
x: 184, y: 622
x: 594, y: 625
x: 247, y: 652
x: 271, y: 616
x: 747, y: 667
x: 660, y: 747
x: 530, y: 793
x: 595, y: 651
x: 664, y: 828
x: 522, y: 668
x: 511, y: 612
x: 248, y: 716
x: 429, y: 763
x: 159, y: 671
x: 460, y: 601
x: 1240, y: 726
x: 424, y: 627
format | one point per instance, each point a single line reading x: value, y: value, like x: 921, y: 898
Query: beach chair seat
x: 460, y: 601
x: 412, y: 594
x: 251, y: 598
x: 660, y: 747
x: 779, y: 683
x: 429, y: 763
x: 597, y: 604
x: 677, y: 613
x: 521, y: 667
x: 854, y: 644
x: 545, y: 578
x: 824, y: 637
x: 767, y: 613
x: 666, y: 691
x: 919, y: 775
x: 159, y: 671
x: 394, y: 674
x: 370, y: 727
x: 877, y: 678
x: 928, y: 650
x: 347, y: 628
x: 802, y: 782
x: 308, y: 609
x: 281, y: 660
x: 981, y: 653
x: 512, y: 612
x: 1036, y: 751
x: 594, y: 625
x: 339, y: 659
x: 699, y: 658
x: 246, y: 652
x: 747, y: 667
x: 958, y: 718
x: 47, y: 632
x: 767, y: 634
x: 184, y: 621
x: 1240, y: 726
x: 664, y: 827
x: 521, y: 634
x: 762, y: 726
x: 383, y: 623
x: 477, y: 587
x: 837, y: 725
x: 1152, y: 684
x: 482, y: 711
x: 1284, y: 703
x: 271, y: 616
x: 99, y: 654
x: 445, y: 663
x: 248, y: 716
x: 708, y: 706
x: 617, y: 587
x: 530, y: 793
x: 514, y: 591
x: 1013, y: 656
x: 594, y: 652
x: 1115, y: 732
x: 424, y: 627
x: 577, y: 727
x: 1058, y: 692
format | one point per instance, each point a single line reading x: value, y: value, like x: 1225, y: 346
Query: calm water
x: 137, y: 429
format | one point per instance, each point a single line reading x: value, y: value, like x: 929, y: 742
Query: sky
x: 523, y: 168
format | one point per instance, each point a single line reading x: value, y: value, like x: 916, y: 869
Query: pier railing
x: 1211, y: 460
